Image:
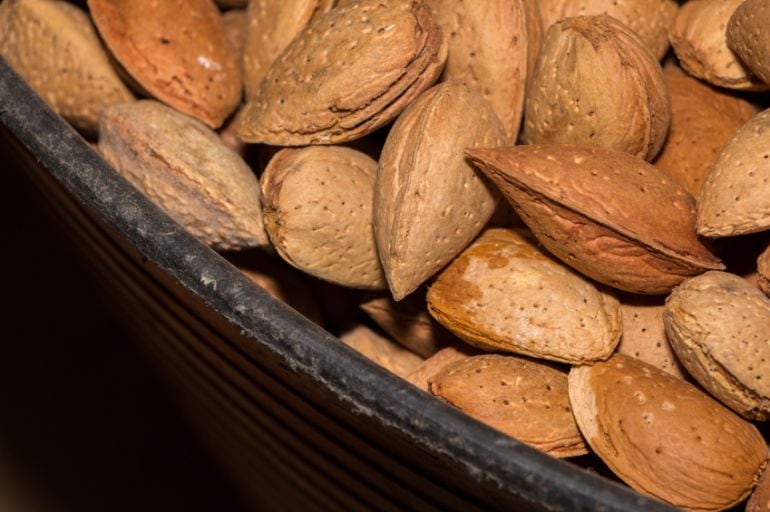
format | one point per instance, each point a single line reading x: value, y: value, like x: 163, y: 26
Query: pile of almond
x: 553, y: 215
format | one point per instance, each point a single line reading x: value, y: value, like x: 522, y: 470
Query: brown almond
x: 421, y: 374
x: 649, y: 19
x: 735, y: 199
x: 524, y: 399
x: 699, y: 38
x: 610, y: 215
x: 348, y: 73
x: 183, y: 166
x: 718, y: 326
x: 703, y: 118
x: 318, y: 212
x: 760, y: 498
x: 748, y: 37
x: 54, y: 47
x: 479, y: 34
x: 429, y: 201
x: 271, y: 26
x: 234, y: 23
x: 763, y: 271
x: 664, y: 437
x: 630, y: 111
x: 177, y: 51
x: 386, y: 353
x: 502, y: 293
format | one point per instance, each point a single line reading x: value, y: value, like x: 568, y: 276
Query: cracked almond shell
x: 718, y: 326
x: 748, y: 37
x: 628, y: 109
x: 664, y: 437
x: 348, y: 73
x: 610, y: 215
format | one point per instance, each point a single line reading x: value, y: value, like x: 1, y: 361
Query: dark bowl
x: 296, y: 417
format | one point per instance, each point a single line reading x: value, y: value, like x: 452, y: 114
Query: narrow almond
x: 748, y: 37
x: 386, y: 353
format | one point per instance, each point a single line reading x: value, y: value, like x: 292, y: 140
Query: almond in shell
x: 386, y: 353
x: 763, y: 271
x: 760, y: 498
x: 748, y: 37
x: 421, y: 375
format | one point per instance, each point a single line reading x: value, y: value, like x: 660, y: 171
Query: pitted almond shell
x: 748, y: 37
x: 386, y: 353
x: 177, y: 51
x: 718, y: 326
x: 664, y: 437
x: 610, y: 215
x: 348, y: 73
x: 421, y: 374
x: 763, y: 271
x: 525, y: 399
x: 430, y: 202
x: 628, y: 109
x: 184, y: 168
x: 54, y: 47
x: 502, y: 293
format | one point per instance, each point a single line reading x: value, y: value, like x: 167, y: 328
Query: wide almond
x: 748, y: 37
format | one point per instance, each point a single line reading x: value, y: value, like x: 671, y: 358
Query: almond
x: 610, y: 215
x: 629, y: 112
x: 502, y: 293
x: 421, y: 374
x: 748, y: 37
x: 182, y: 166
x: 235, y: 23
x: 493, y: 46
x: 54, y: 47
x: 735, y: 198
x: 348, y: 73
x: 318, y: 213
x: 177, y: 51
x: 718, y: 327
x: 386, y: 353
x: 524, y: 399
x: 664, y: 437
x: 763, y: 271
x: 760, y: 498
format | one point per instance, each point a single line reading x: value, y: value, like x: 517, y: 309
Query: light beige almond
x: 421, y: 374
x: 493, y: 46
x: 748, y: 37
x: 718, y: 326
x: 703, y: 118
x: 54, y: 47
x: 318, y: 212
x: 735, y: 199
x: 351, y: 71
x: 271, y: 26
x: 184, y: 168
x: 430, y: 202
x: 177, y: 51
x: 699, y: 38
x: 628, y: 109
x: 386, y: 353
x: 503, y: 293
x: 649, y: 19
x: 763, y: 271
x: 610, y: 215
x: 760, y: 498
x: 664, y: 437
x: 524, y: 399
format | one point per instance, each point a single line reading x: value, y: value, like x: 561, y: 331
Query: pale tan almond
x: 177, y: 51
x: 760, y: 498
x: 386, y: 353
x: 748, y: 37
x: 182, y: 166
x: 610, y: 215
x: 54, y: 47
x: 735, y: 199
x: 351, y: 71
x: 763, y: 271
x: 429, y: 201
x: 627, y: 110
x: 699, y: 38
x: 525, y: 399
x: 421, y: 374
x: 503, y: 293
x: 318, y: 212
x: 664, y: 437
x: 493, y: 46
x: 718, y: 326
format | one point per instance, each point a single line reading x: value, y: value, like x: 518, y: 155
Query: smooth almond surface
x: 748, y: 37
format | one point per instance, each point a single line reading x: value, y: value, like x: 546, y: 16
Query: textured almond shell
x: 502, y: 293
x: 699, y: 38
x: 610, y: 215
x: 348, y: 73
x: 54, y: 47
x: 760, y: 498
x: 421, y: 374
x: 318, y: 213
x: 627, y: 110
x: 763, y: 271
x: 493, y: 46
x: 663, y: 436
x: 386, y: 353
x: 177, y: 51
x: 748, y: 37
x: 430, y: 202
x: 524, y: 399
x: 718, y: 326
x: 182, y: 166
